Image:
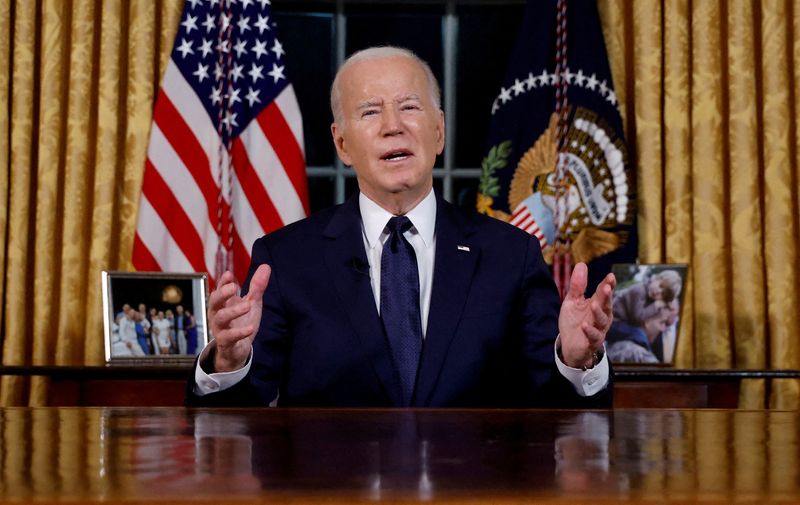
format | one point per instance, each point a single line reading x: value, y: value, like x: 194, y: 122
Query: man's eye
x: 410, y: 107
x: 370, y: 112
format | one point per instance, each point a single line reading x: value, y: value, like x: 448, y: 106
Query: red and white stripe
x: 523, y: 219
x: 177, y: 226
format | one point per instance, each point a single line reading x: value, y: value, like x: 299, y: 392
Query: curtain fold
x: 23, y: 86
x: 781, y: 212
x: 748, y: 304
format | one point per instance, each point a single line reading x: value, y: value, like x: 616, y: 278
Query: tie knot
x: 400, y: 224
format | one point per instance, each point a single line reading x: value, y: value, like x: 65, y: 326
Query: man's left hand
x: 583, y: 323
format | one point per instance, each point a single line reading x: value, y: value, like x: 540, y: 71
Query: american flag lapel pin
x: 462, y: 248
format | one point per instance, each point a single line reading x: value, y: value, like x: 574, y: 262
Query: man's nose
x: 392, y: 123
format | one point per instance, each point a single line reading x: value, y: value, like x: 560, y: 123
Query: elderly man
x: 397, y: 298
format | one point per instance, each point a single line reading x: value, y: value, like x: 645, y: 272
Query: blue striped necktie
x: 400, y: 304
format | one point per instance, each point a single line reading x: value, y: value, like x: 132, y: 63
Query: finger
x: 258, y: 284
x: 225, y: 289
x: 227, y: 277
x: 225, y: 316
x: 602, y: 319
x: 578, y: 280
x: 230, y: 336
x: 594, y: 336
x: 605, y: 291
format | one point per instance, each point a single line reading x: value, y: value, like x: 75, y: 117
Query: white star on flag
x: 255, y: 72
x: 208, y: 24
x: 276, y: 72
x: 240, y: 47
x: 505, y: 95
x: 262, y: 23
x: 201, y: 72
x: 252, y: 96
x: 260, y: 48
x: 278, y: 49
x: 190, y: 23
x: 185, y: 48
x: 205, y: 47
x: 237, y: 72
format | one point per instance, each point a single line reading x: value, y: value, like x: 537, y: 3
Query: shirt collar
x: 374, y: 219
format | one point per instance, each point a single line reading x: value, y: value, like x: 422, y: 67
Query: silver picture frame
x: 154, y: 318
x: 648, y: 305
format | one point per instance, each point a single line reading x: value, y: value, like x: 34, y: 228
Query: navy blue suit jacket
x: 490, y: 334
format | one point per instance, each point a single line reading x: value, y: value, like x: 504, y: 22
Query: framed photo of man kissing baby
x: 647, y: 311
x: 154, y: 318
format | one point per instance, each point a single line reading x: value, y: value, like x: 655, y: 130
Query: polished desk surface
x: 176, y: 455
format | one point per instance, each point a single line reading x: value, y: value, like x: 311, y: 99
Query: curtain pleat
x: 677, y: 211
x: 79, y: 172
x: 5, y: 74
x: 746, y: 257
x: 780, y: 199
x: 647, y: 51
x: 710, y: 273
x: 613, y: 15
x: 18, y: 297
x: 108, y: 151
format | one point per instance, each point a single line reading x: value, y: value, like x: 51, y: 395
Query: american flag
x: 225, y: 162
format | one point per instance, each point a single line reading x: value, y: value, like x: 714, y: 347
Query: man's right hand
x: 235, y: 320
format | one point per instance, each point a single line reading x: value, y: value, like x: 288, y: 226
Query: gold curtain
x: 710, y: 94
x: 79, y: 79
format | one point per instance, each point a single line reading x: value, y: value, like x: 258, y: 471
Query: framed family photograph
x: 647, y: 310
x: 154, y: 318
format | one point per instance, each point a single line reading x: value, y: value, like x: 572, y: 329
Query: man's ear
x: 338, y: 141
x: 440, y: 132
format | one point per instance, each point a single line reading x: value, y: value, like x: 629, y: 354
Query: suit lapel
x: 453, y: 271
x: 346, y: 260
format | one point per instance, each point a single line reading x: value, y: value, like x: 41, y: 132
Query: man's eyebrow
x: 408, y: 97
x: 368, y: 103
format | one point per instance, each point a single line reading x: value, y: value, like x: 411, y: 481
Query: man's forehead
x: 399, y: 98
x: 362, y: 71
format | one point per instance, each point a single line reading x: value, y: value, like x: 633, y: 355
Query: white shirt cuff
x: 212, y: 383
x: 586, y: 382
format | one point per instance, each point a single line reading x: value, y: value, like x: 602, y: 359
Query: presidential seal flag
x: 225, y: 162
x: 556, y: 164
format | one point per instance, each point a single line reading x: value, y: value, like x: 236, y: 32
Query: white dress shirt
x: 422, y: 238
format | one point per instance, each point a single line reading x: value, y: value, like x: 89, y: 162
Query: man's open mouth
x: 396, y: 155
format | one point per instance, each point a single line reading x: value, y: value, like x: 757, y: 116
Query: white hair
x: 376, y: 53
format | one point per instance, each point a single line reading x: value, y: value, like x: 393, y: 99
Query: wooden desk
x: 176, y: 455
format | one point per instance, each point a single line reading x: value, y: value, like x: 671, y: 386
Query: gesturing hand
x: 234, y: 320
x: 583, y: 323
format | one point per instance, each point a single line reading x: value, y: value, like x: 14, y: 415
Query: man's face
x: 391, y: 131
x: 656, y: 325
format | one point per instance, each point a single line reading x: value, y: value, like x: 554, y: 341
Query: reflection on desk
x: 503, y: 456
